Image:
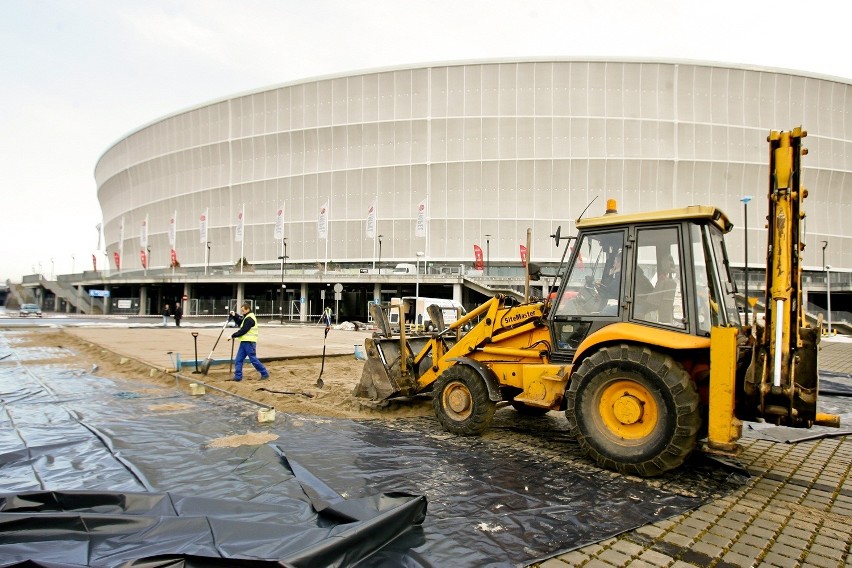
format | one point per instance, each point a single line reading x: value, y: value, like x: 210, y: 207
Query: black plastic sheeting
x: 836, y: 384
x: 90, y: 475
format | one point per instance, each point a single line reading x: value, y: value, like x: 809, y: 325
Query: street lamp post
x: 827, y: 285
x: 207, y: 266
x: 745, y: 200
x: 488, y: 255
x: 283, y: 259
x: 380, y: 253
x: 417, y: 289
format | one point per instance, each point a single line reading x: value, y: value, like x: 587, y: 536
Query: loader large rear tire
x: 461, y: 402
x: 633, y: 410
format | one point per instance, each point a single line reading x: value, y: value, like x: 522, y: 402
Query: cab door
x: 590, y: 295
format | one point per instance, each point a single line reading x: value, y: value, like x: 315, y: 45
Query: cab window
x: 594, y: 279
x: 706, y: 287
x: 658, y: 277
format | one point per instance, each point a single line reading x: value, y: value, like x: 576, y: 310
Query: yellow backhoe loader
x: 641, y: 344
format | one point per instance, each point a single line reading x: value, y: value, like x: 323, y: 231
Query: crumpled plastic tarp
x: 835, y: 384
x: 92, y: 476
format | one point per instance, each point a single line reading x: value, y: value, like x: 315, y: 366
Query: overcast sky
x: 77, y: 75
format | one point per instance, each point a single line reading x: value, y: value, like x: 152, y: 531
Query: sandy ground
x: 140, y: 357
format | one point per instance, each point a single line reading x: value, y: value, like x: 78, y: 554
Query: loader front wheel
x: 461, y: 402
x: 633, y: 410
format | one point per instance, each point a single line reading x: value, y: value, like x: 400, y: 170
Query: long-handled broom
x: 205, y: 366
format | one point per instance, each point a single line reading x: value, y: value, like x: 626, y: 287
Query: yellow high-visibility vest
x: 251, y: 334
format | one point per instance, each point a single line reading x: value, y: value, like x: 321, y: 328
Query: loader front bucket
x: 382, y: 377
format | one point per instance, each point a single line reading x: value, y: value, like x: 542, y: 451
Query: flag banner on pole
x: 579, y: 258
x: 117, y: 258
x: 371, y: 220
x: 121, y: 234
x: 174, y: 258
x: 241, y: 223
x: 173, y: 229
x: 420, y: 228
x: 143, y: 233
x: 523, y: 256
x: 202, y: 226
x: 279, y: 224
x: 322, y: 224
x: 98, y: 228
x: 143, y: 258
x: 478, y: 263
x: 94, y: 263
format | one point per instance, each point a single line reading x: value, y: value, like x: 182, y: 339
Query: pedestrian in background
x: 166, y: 313
x: 178, y: 314
x: 247, y: 334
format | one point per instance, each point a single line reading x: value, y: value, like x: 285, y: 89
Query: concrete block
x: 266, y: 415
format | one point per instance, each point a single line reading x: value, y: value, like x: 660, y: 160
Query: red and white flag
x: 173, y: 229
x: 174, y: 258
x: 420, y: 227
x: 202, y: 226
x: 241, y: 223
x: 143, y: 258
x: 523, y: 256
x: 117, y: 258
x: 371, y: 219
x: 94, y: 263
x: 478, y: 263
x: 143, y: 233
x: 279, y: 223
x: 322, y: 223
x: 579, y: 258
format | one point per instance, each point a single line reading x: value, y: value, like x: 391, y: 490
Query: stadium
x: 354, y: 173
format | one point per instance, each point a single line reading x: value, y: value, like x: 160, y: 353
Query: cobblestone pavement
x: 796, y: 510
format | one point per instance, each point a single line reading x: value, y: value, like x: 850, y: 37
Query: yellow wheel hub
x: 628, y: 410
x: 458, y: 402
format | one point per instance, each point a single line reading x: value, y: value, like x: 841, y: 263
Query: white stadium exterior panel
x: 494, y: 147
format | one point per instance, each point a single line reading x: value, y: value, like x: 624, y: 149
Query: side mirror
x: 557, y: 235
x: 534, y: 271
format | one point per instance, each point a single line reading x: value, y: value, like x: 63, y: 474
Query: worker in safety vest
x: 247, y: 335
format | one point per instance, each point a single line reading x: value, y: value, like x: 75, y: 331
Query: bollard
x: 195, y: 341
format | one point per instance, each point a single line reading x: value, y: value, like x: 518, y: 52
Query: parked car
x: 30, y: 310
x: 405, y: 268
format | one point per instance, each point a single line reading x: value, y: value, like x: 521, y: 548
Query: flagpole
x: 327, y: 231
x: 426, y: 247
x: 243, y: 238
x: 121, y: 246
x: 375, y: 206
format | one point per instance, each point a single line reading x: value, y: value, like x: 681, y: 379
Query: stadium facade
x: 490, y: 148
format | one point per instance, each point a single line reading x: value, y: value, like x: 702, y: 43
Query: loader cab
x: 667, y: 271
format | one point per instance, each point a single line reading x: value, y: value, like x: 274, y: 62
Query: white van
x: 405, y: 268
x: 414, y: 310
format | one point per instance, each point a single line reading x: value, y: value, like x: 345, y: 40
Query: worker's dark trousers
x: 248, y: 349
